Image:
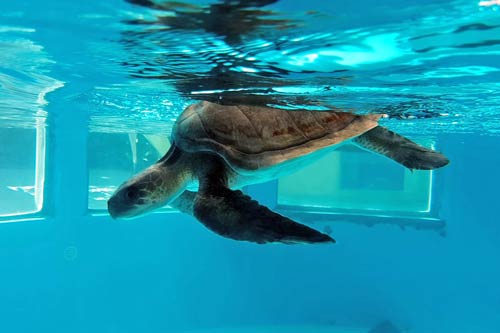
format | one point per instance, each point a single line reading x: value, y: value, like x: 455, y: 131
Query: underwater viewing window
x: 22, y: 168
x: 115, y: 157
x: 352, y: 181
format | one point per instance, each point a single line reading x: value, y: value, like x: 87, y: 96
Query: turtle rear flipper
x: 400, y: 149
x: 234, y: 215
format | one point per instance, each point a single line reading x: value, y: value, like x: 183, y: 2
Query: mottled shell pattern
x: 251, y: 137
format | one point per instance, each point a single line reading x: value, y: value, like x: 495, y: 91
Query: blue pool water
x: 90, y: 90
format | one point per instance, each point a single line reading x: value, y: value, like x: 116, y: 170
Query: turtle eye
x: 131, y: 194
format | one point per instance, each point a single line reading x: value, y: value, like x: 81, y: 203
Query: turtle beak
x: 114, y: 207
x: 119, y: 206
x: 126, y: 203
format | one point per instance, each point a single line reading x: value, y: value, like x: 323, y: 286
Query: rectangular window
x: 352, y: 180
x: 22, y: 167
x: 24, y: 84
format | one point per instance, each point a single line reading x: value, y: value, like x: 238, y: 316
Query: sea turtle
x: 217, y: 149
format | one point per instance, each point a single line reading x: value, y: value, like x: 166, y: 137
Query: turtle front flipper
x: 400, y: 149
x: 235, y: 215
x: 184, y: 202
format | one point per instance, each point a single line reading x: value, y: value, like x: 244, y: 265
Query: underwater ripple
x: 23, y: 80
x: 432, y: 66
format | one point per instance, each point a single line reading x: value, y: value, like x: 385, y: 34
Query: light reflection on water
x: 432, y: 66
x: 24, y: 82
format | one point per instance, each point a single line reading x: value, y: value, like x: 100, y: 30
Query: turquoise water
x: 89, y: 92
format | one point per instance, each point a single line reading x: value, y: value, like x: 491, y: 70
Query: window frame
x: 40, y: 187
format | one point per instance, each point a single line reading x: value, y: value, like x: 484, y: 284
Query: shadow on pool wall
x: 166, y: 272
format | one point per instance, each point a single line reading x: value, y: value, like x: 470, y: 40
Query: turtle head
x: 151, y: 189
